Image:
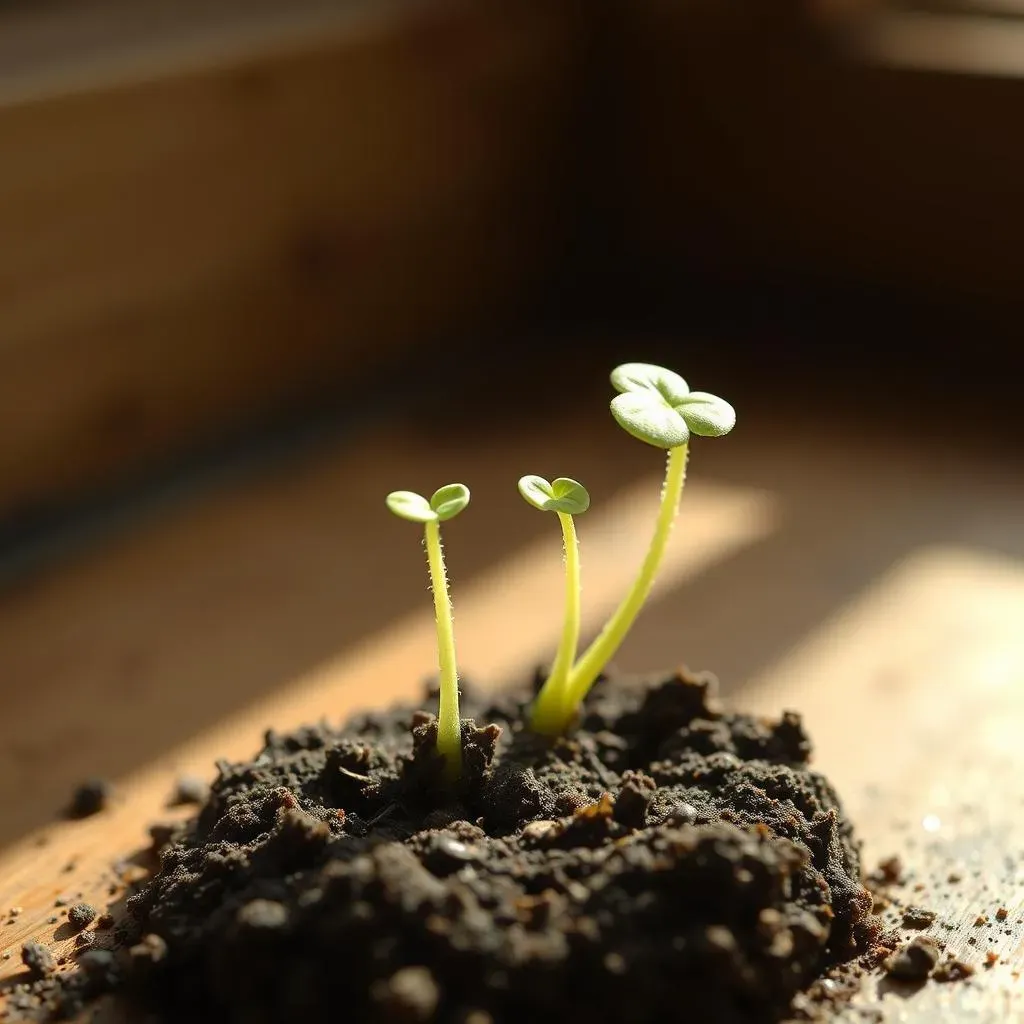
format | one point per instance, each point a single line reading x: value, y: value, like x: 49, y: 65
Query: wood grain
x: 880, y: 596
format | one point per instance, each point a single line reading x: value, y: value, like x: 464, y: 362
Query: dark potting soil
x: 665, y: 861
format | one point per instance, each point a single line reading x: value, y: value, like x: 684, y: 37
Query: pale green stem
x: 550, y: 708
x: 449, y: 728
x: 602, y: 650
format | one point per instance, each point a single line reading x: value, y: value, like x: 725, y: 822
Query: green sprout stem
x: 449, y: 730
x: 600, y: 652
x: 552, y: 707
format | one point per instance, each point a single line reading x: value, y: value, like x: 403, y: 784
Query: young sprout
x: 566, y: 498
x: 444, y: 504
x: 656, y: 406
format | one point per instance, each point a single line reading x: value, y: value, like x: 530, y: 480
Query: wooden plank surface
x: 248, y: 222
x: 879, y: 591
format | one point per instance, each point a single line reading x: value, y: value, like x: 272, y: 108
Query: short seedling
x: 566, y: 498
x: 656, y: 406
x: 444, y: 504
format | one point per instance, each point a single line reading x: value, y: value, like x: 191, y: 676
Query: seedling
x: 656, y: 406
x: 566, y: 498
x: 444, y: 504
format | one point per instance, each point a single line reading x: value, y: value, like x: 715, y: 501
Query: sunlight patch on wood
x: 919, y: 666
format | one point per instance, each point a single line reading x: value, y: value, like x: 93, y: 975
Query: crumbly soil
x: 667, y: 859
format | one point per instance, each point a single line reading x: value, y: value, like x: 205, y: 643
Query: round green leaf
x: 448, y: 501
x: 707, y: 415
x: 410, y: 505
x: 560, y: 495
x: 646, y: 416
x: 640, y: 377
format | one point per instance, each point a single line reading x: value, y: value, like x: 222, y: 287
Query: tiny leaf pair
x: 444, y: 504
x: 563, y: 495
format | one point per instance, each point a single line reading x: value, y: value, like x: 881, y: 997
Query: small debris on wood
x: 80, y: 915
x: 915, y: 961
x: 91, y: 797
x: 38, y: 959
x: 96, y: 961
x: 952, y: 969
x: 888, y: 872
x: 918, y: 917
x: 1002, y: 914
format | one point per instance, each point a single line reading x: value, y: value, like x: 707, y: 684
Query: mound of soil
x: 666, y: 858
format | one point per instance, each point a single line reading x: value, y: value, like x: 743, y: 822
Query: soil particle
x: 38, y: 959
x: 98, y: 963
x: 952, y: 969
x: 90, y: 798
x: 889, y: 871
x: 918, y: 917
x: 915, y: 961
x: 81, y: 915
x: 665, y: 846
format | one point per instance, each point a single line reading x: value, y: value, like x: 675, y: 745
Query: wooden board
x: 877, y: 593
x: 216, y: 214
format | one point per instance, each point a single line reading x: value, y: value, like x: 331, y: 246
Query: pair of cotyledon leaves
x: 444, y: 504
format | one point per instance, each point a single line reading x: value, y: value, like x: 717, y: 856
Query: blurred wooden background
x: 216, y: 215
x: 247, y: 246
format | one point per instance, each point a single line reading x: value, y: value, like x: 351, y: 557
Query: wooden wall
x: 195, y: 236
x: 829, y: 149
x: 213, y: 213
